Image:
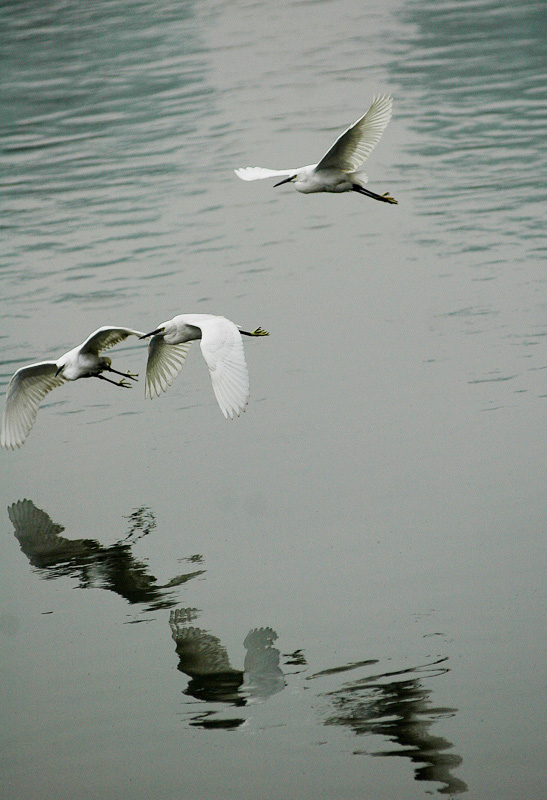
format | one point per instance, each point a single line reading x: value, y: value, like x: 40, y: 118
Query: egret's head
x: 290, y: 179
x: 159, y: 330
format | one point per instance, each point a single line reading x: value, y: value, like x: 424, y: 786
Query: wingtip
x: 379, y: 97
x: 233, y: 412
x: 10, y: 445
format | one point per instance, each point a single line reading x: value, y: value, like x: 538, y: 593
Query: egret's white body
x: 339, y: 169
x: 222, y: 349
x: 30, y: 384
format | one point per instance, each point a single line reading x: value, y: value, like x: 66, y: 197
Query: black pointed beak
x: 285, y: 180
x: 58, y: 371
x: 152, y: 333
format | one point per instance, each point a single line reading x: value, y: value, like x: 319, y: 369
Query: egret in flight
x: 29, y: 385
x: 222, y: 349
x: 340, y: 168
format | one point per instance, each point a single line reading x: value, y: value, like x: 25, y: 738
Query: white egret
x: 339, y: 169
x: 222, y: 349
x: 30, y: 384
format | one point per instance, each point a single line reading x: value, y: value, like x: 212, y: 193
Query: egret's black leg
x: 385, y: 198
x: 122, y: 383
x: 133, y: 376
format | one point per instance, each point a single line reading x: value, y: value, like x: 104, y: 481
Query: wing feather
x: 26, y: 390
x: 222, y: 348
x: 165, y: 361
x: 106, y: 337
x: 355, y: 145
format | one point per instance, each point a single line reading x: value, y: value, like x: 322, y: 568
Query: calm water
x: 343, y: 593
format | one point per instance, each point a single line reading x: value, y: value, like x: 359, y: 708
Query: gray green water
x: 343, y: 593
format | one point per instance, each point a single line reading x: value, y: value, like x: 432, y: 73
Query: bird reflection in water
x: 95, y: 565
x: 203, y: 657
x: 396, y: 706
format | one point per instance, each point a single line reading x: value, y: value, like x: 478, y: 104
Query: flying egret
x: 222, y: 349
x: 30, y: 384
x: 339, y: 169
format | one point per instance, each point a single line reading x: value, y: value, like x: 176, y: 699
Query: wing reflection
x: 396, y: 705
x: 203, y: 657
x: 113, y: 568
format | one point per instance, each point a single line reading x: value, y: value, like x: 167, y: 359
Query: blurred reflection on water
x: 204, y: 659
x: 396, y: 706
x: 94, y: 565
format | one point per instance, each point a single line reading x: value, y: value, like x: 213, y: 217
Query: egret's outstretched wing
x: 222, y: 349
x: 258, y: 173
x: 164, y: 364
x: 106, y: 337
x: 26, y: 390
x: 356, y: 143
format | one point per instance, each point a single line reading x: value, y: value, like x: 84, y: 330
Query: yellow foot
x: 259, y: 332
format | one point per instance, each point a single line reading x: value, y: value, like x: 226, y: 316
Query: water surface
x: 341, y: 594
